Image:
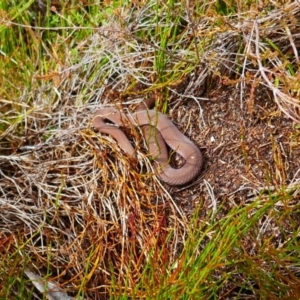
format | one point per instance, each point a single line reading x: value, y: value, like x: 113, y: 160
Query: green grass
x: 213, y: 255
x: 52, y: 64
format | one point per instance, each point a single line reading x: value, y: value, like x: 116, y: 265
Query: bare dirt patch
x: 246, y: 150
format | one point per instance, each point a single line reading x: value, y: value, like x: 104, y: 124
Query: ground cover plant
x: 80, y: 220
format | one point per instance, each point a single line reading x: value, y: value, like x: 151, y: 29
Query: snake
x: 159, y: 131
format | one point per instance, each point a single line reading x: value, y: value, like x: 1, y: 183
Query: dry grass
x: 78, y: 212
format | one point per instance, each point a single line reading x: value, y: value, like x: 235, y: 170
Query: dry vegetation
x: 78, y: 212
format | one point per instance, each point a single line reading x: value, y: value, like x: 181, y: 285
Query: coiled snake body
x: 166, y: 133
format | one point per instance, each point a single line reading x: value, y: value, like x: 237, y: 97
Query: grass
x: 77, y: 213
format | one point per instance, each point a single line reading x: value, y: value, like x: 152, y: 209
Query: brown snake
x: 160, y: 132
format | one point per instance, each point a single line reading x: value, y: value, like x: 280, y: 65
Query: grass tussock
x: 80, y: 218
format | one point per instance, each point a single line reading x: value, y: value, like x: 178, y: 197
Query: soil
x: 249, y: 145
